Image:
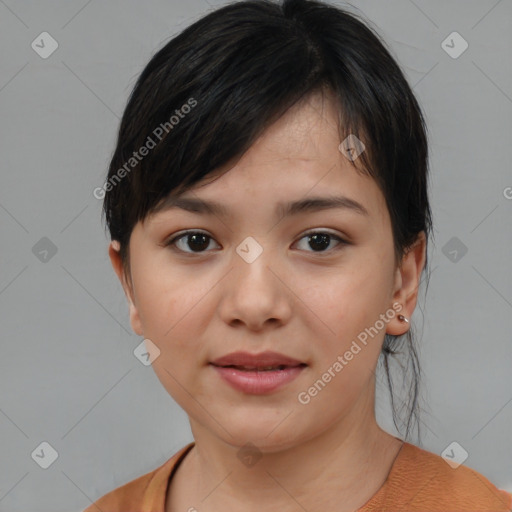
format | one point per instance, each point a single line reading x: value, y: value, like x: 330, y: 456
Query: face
x: 306, y: 285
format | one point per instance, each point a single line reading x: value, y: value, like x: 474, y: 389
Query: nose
x: 255, y: 294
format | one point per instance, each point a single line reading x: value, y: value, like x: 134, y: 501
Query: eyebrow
x: 283, y: 209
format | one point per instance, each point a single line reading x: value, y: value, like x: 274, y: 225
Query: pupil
x: 319, y: 239
x: 194, y: 239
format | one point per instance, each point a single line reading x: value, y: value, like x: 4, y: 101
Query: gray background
x: 68, y: 375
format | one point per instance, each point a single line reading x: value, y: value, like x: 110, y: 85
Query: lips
x: 258, y: 374
x: 264, y: 361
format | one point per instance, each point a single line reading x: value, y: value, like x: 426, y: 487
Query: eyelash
x: 172, y: 242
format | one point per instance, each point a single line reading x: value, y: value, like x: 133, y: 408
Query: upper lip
x: 261, y: 360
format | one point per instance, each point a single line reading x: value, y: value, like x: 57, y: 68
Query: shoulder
x: 422, y: 480
x: 146, y: 492
x: 124, y: 497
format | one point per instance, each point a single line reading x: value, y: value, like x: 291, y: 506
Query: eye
x: 197, y: 240
x: 320, y: 240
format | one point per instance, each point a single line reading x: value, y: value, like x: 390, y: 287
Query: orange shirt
x: 418, y: 481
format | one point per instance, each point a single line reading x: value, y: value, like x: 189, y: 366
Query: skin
x: 305, y: 302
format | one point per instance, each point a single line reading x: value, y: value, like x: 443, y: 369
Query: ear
x: 117, y: 264
x: 407, y: 282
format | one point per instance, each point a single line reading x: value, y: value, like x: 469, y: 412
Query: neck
x: 340, y: 468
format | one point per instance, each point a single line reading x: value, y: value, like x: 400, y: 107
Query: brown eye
x: 319, y: 241
x: 196, y: 241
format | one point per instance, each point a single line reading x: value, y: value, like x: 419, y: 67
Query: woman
x: 268, y: 207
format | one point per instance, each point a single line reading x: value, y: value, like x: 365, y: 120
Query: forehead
x: 307, y: 132
x: 295, y: 159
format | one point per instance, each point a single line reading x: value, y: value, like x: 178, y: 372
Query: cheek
x: 172, y: 312
x: 169, y: 307
x: 166, y: 295
x: 349, y: 304
x: 346, y: 356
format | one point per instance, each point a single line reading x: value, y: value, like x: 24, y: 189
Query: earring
x: 402, y: 318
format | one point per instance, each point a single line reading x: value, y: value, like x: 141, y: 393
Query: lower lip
x: 258, y: 383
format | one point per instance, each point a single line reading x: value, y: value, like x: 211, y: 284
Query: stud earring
x: 402, y: 318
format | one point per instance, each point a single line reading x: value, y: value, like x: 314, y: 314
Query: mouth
x: 264, y: 361
x: 258, y: 379
x: 257, y: 374
x: 270, y: 368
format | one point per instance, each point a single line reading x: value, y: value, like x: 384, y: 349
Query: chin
x: 263, y: 436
